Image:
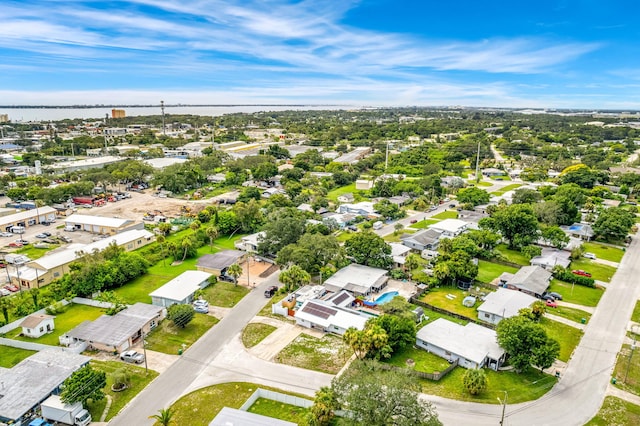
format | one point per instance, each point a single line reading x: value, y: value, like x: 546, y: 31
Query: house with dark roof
x: 426, y: 239
x: 532, y: 280
x: 218, y: 263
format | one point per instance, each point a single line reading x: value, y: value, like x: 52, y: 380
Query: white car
x: 4, y: 292
x: 132, y: 356
x: 6, y: 234
x: 589, y: 256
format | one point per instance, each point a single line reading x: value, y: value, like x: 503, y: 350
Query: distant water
x: 54, y: 114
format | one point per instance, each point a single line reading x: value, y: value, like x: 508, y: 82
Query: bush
x: 56, y: 309
x: 567, y: 276
x: 181, y: 315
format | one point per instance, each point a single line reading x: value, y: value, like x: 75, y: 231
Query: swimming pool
x: 386, y: 297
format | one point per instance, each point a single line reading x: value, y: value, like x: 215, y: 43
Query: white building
x: 359, y: 280
x: 37, y: 325
x: 502, y: 304
x: 450, y: 228
x: 326, y: 316
x: 181, y: 289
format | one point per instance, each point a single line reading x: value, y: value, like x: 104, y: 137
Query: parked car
x: 352, y: 228
x: 4, y: 292
x: 65, y: 239
x: 11, y: 287
x: 132, y: 356
x: 550, y: 303
x: 414, y: 220
x: 452, y: 205
x: 6, y: 234
x: 432, y: 208
x: 555, y: 295
x: 202, y: 308
x: 43, y: 235
x: 269, y: 292
x: 589, y: 256
x: 13, y: 244
x: 581, y: 273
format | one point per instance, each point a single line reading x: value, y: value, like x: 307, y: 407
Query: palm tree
x: 6, y: 303
x: 160, y: 239
x: 212, y: 233
x: 195, y: 225
x: 186, y: 244
x: 163, y: 417
x: 235, y: 271
x: 293, y: 277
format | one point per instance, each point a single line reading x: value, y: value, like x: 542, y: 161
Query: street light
x: 504, y: 406
x: 144, y: 350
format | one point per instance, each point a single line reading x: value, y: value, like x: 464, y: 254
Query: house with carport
x: 181, y: 289
x: 218, y: 263
x: 359, y: 280
x: 471, y: 345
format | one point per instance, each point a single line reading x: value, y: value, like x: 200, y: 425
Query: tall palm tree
x: 186, y: 244
x: 6, y: 303
x: 163, y: 417
x: 160, y: 239
x: 212, y: 233
x: 235, y: 271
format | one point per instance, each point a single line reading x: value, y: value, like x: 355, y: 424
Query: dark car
x: 414, y: 220
x: 452, y: 205
x: 555, y: 295
x: 269, y: 292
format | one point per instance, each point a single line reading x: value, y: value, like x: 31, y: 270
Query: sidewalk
x: 278, y: 340
x: 588, y: 309
x: 565, y: 321
x: 619, y: 393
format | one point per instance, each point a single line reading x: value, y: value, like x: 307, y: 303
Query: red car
x: 581, y: 273
x: 414, y: 220
x: 550, y: 303
x: 15, y: 245
x: 11, y: 287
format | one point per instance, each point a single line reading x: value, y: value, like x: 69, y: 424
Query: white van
x: 17, y: 229
x: 378, y: 225
x: 69, y: 228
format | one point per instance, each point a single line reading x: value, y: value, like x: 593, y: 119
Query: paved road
x: 579, y: 393
x: 170, y: 385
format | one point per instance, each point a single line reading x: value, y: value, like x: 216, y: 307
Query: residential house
x: 329, y: 317
x: 33, y: 380
x: 267, y: 193
x: 426, y: 239
x: 584, y: 231
x: 359, y: 280
x: 346, y: 198
x: 364, y: 184
x: 119, y: 332
x: 235, y: 417
x: 471, y: 216
x: 341, y: 219
x: 532, y: 280
x: 400, y: 200
x: 37, y: 325
x: 181, y: 289
x: 218, y: 263
x: 551, y: 257
x: 450, y: 228
x: 363, y: 208
x: 503, y: 303
x: 452, y: 182
x: 491, y: 172
x: 472, y: 345
x: 249, y: 243
x: 399, y: 254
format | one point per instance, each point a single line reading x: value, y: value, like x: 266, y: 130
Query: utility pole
x: 386, y: 158
x: 478, y: 164
x: 144, y: 349
x: 164, y: 132
x: 633, y: 348
x: 504, y: 406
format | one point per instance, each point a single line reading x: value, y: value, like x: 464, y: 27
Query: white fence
x: 13, y: 325
x: 91, y: 302
x: 276, y: 396
x: 33, y: 346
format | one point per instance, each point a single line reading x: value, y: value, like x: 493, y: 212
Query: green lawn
x: 620, y: 372
x: 333, y: 195
x: 224, y: 294
x: 344, y: 236
x: 438, y: 297
x: 10, y: 356
x: 447, y: 214
x: 424, y: 361
x: 489, y: 271
x: 577, y: 294
x: 613, y: 254
x: 74, y: 315
x: 168, y: 338
x: 327, y: 354
x: 522, y: 387
x: 598, y: 271
x: 615, y: 411
x: 201, y: 406
x: 575, y: 315
x: 636, y: 312
x: 483, y: 183
x: 507, y: 188
x: 279, y: 410
x: 255, y: 333
x: 34, y: 253
x: 139, y: 380
x: 433, y: 315
x: 567, y: 336
x: 512, y: 256
x: 424, y: 223
x: 391, y: 238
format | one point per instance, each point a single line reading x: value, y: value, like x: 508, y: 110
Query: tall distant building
x: 117, y: 113
x: 4, y: 118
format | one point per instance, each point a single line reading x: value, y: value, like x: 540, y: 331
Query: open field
x: 567, y: 336
x: 328, y: 354
x: 598, y: 271
x: 612, y: 254
x: 255, y: 333
x: 512, y: 256
x: 615, y: 411
x: 578, y: 294
x: 10, y: 356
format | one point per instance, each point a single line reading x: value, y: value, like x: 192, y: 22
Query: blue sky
x: 573, y: 54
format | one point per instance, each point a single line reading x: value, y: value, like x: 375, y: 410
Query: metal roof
x: 110, y: 222
x: 220, y: 260
x: 182, y: 286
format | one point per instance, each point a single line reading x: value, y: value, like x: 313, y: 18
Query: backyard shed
x: 37, y: 325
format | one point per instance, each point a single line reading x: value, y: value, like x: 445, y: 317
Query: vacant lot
x: 327, y: 354
x: 447, y: 214
x: 613, y: 254
x: 627, y: 371
x: 615, y: 411
x: 598, y: 271
x: 567, y: 336
x: 450, y: 298
x: 224, y: 294
x: 168, y: 338
x: 255, y: 333
x: 512, y: 256
x: 489, y: 271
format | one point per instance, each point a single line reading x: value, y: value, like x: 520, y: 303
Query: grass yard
x: 74, y: 315
x: 447, y: 214
x: 620, y: 372
x: 344, y: 236
x: 201, y: 406
x: 396, y: 238
x: 489, y: 271
x: 139, y: 380
x: 279, y: 410
x: 522, y: 387
x: 34, y: 253
x: 424, y: 361
x: 255, y: 333
x: 224, y: 294
x: 423, y: 223
x: 612, y: 254
x: 598, y: 271
x: 327, y: 354
x: 438, y: 297
x: 615, y: 411
x: 10, y: 356
x: 577, y: 294
x: 167, y: 338
x: 483, y: 183
x: 507, y: 188
x: 333, y: 195
x: 636, y: 312
x: 575, y: 315
x: 567, y: 336
x: 512, y: 256
x: 431, y: 316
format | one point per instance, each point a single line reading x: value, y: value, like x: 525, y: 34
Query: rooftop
x: 110, y: 222
x: 327, y: 314
x: 182, y: 286
x: 220, y: 260
x: 24, y: 215
x: 354, y: 277
x: 450, y: 225
x: 506, y: 303
x: 234, y: 417
x: 532, y: 278
x: 34, y: 320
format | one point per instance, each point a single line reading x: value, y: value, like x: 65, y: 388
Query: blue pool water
x: 386, y: 297
x: 575, y: 227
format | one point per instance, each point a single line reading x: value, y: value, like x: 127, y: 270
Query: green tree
x: 526, y: 196
x: 6, y: 304
x: 312, y: 252
x: 555, y: 236
x: 165, y: 228
x: 526, y: 343
x: 369, y: 249
x: 84, y: 384
x: 372, y: 341
x: 389, y: 210
x: 475, y: 381
x: 374, y: 396
x: 163, y: 417
x: 516, y: 223
x: 614, y: 223
x: 283, y: 226
x: 235, y: 271
x: 322, y: 412
x: 186, y: 244
x: 212, y: 233
x: 293, y: 277
x: 473, y: 195
x: 180, y: 314
x: 401, y: 330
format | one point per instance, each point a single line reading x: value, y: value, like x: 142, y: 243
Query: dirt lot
x: 140, y: 203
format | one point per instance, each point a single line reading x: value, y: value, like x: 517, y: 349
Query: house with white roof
x: 399, y: 254
x: 502, y: 304
x: 181, y: 289
x: 99, y: 224
x: 450, y: 228
x: 472, y: 345
x: 550, y: 257
x: 329, y: 317
x: 249, y: 243
x: 363, y: 208
x: 359, y: 280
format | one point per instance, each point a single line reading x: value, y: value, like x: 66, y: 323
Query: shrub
x: 567, y: 276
